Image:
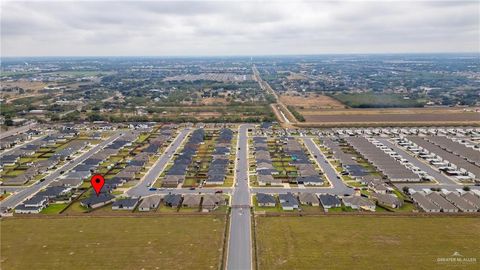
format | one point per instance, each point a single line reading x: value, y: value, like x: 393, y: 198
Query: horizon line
x: 231, y: 55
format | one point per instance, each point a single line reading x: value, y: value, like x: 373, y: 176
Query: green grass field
x: 377, y: 100
x: 112, y: 243
x: 54, y: 208
x: 356, y: 242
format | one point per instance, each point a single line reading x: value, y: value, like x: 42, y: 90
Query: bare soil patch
x: 25, y: 85
x: 214, y: 101
x: 437, y: 115
x: 310, y: 101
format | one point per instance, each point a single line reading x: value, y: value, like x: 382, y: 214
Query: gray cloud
x: 50, y: 28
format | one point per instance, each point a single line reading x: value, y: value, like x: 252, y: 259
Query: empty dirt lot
x: 398, y: 116
x: 310, y: 101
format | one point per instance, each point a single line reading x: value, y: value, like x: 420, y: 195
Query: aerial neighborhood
x: 240, y: 163
x: 151, y: 166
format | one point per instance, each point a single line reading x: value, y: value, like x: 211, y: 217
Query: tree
x: 95, y: 117
x: 8, y: 120
x: 405, y: 189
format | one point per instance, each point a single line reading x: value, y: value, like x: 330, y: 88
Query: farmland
x: 377, y: 100
x: 149, y: 243
x: 355, y: 242
x: 398, y: 116
x: 310, y: 101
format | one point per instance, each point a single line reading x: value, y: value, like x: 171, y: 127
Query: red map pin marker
x: 97, y: 182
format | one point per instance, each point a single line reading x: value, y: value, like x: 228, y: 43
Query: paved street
x: 20, y: 196
x: 142, y: 188
x: 11, y: 188
x: 441, y: 178
x: 317, y: 190
x: 419, y: 187
x: 17, y: 130
x: 239, y: 253
x: 338, y: 186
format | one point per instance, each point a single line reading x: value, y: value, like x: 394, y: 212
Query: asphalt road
x: 316, y: 190
x: 10, y: 150
x: 142, y: 188
x: 338, y: 186
x: 17, y: 130
x: 419, y: 187
x: 239, y: 253
x: 11, y: 188
x: 441, y: 178
x: 17, y: 198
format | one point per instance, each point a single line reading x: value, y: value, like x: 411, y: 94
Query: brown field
x: 25, y: 85
x: 310, y: 101
x: 204, y: 115
x: 398, y: 116
x: 31, y: 89
x: 214, y: 101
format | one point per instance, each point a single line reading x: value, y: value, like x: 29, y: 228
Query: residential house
x: 460, y: 202
x: 378, y: 187
x: 441, y: 202
x: 329, y: 201
x: 312, y: 180
x: 191, y: 200
x: 95, y: 201
x: 471, y: 199
x: 388, y: 200
x: 212, y: 201
x: 125, y: 204
x: 359, y: 202
x: 424, y: 203
x: 266, y: 200
x: 149, y: 203
x: 288, y: 201
x: 308, y: 199
x: 172, y: 200
x: 266, y: 179
x: 33, y: 205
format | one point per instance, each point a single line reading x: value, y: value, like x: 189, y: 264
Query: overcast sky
x: 168, y: 28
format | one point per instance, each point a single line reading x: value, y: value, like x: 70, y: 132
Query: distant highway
x: 281, y: 111
x: 284, y: 117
